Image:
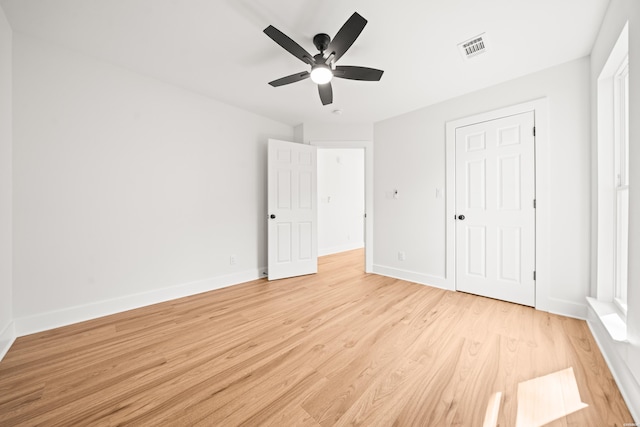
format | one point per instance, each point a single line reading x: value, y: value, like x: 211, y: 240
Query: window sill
x: 611, y: 318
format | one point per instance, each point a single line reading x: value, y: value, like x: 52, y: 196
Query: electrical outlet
x: 402, y: 256
x: 233, y: 260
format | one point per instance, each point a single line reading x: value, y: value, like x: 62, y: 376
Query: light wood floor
x: 341, y: 347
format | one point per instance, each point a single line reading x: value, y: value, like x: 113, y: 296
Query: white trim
x: 543, y: 218
x: 7, y: 337
x: 566, y: 308
x: 612, y: 352
x: 412, y: 276
x: 621, y: 181
x: 67, y: 316
x: 368, y: 191
x: 613, y: 320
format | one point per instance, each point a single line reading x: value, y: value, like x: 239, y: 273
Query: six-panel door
x: 495, y: 192
x: 292, y: 204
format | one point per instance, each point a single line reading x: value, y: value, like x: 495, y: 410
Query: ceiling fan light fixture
x: 321, y: 74
x: 324, y: 69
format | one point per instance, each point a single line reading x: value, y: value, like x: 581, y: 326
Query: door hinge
x: 534, y: 275
x: 534, y: 203
x: 534, y: 131
x: 365, y: 215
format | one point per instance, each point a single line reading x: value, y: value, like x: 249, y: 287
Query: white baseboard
x: 566, y: 308
x: 611, y: 351
x: 338, y: 249
x: 7, y: 337
x: 67, y: 316
x: 556, y: 306
x: 412, y: 276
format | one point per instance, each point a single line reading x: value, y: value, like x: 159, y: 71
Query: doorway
x: 358, y: 226
x: 540, y: 109
x: 341, y: 197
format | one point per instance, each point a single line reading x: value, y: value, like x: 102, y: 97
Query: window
x: 621, y: 179
x: 612, y: 215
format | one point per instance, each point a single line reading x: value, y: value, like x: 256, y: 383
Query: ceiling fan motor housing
x: 321, y: 41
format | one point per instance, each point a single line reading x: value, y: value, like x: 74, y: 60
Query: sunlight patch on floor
x: 540, y: 400
x: 548, y: 398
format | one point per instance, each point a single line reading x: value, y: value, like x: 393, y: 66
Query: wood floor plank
x: 428, y: 399
x: 381, y: 401
x: 353, y: 370
x: 292, y: 415
x: 341, y: 347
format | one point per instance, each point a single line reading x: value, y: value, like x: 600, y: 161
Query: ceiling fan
x: 323, y: 64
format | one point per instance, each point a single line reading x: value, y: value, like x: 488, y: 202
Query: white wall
x: 340, y: 200
x: 127, y: 190
x: 623, y: 357
x: 410, y: 158
x: 6, y: 311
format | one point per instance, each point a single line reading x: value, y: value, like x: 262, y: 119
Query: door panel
x: 292, y: 227
x: 306, y: 242
x: 476, y: 252
x: 284, y: 241
x: 304, y: 197
x: 476, y: 185
x: 509, y: 197
x: 495, y: 190
x: 283, y: 195
x: 509, y: 248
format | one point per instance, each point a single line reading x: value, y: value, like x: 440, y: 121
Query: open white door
x: 495, y: 209
x: 292, y: 204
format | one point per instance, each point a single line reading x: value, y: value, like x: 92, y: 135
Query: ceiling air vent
x: 474, y: 46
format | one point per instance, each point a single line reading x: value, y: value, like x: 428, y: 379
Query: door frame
x: 540, y: 109
x: 368, y: 191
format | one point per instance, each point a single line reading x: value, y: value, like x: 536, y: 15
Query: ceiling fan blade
x: 289, y: 45
x: 357, y: 73
x: 290, y: 79
x: 326, y: 93
x: 346, y: 36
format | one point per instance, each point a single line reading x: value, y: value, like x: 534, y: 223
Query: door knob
x: 461, y: 217
x: 272, y: 216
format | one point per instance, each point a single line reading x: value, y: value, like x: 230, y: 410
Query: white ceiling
x: 217, y: 47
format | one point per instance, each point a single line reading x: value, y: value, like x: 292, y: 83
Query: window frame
x: 621, y: 182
